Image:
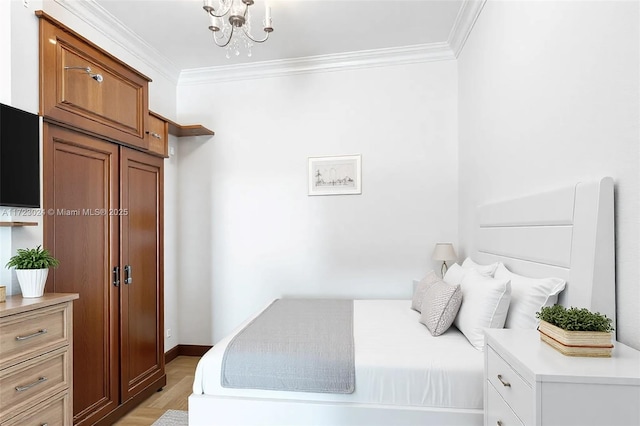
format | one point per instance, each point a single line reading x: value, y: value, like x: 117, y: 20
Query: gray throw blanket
x: 303, y: 345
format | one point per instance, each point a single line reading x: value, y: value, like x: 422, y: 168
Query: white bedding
x: 397, y: 362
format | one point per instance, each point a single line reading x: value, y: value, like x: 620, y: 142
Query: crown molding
x: 321, y: 63
x: 104, y: 22
x: 466, y: 19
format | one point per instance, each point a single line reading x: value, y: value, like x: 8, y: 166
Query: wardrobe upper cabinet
x: 86, y: 87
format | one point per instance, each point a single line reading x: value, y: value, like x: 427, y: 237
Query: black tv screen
x: 19, y: 158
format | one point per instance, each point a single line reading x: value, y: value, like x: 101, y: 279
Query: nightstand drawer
x: 498, y: 412
x: 511, y: 387
x: 28, y: 334
x: 29, y: 382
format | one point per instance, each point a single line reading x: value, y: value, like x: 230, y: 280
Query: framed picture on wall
x: 340, y: 175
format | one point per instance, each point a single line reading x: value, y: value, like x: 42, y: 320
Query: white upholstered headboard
x: 566, y: 233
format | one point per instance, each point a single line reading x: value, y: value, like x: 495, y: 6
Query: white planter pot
x: 32, y: 281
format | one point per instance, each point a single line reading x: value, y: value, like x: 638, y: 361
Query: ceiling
x: 302, y: 28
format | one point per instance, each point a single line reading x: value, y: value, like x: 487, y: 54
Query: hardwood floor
x: 180, y: 373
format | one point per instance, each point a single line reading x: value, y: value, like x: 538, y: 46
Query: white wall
x: 171, y: 270
x: 249, y: 231
x: 5, y: 98
x: 19, y: 87
x: 5, y: 52
x: 549, y: 95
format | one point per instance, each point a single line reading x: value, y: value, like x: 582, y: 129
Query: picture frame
x: 335, y: 175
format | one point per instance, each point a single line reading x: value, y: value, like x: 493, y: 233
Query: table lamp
x: 444, y: 252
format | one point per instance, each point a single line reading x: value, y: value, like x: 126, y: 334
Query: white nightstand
x: 529, y: 383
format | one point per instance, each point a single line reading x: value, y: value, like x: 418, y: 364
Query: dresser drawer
x: 510, y: 386
x: 52, y: 412
x: 26, y: 384
x: 26, y: 335
x: 498, y: 412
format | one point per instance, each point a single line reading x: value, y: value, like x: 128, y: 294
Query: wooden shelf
x: 12, y: 224
x: 190, y: 130
x: 187, y: 130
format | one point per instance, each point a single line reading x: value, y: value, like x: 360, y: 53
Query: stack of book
x: 576, y: 343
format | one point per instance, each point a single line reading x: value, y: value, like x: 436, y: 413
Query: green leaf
x: 36, y: 258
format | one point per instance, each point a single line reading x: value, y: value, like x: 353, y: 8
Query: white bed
x: 397, y: 362
x: 404, y: 376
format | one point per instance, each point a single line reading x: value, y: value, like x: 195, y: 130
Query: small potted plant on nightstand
x: 32, y: 267
x: 575, y: 332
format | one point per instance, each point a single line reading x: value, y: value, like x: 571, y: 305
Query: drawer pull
x: 505, y: 384
x: 37, y: 333
x: 154, y: 134
x: 96, y: 77
x: 499, y: 423
x: 30, y: 385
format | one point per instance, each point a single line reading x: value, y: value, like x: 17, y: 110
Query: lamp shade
x: 444, y: 252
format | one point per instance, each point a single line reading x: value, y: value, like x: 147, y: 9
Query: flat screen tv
x: 19, y: 158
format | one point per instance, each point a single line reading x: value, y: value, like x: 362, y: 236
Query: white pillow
x: 421, y: 288
x: 487, y: 270
x: 485, y: 303
x: 454, y: 274
x: 528, y: 295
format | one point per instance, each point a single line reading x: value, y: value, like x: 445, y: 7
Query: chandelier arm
x: 211, y: 11
x: 246, y: 10
x: 215, y: 40
x: 217, y: 16
x: 266, y: 37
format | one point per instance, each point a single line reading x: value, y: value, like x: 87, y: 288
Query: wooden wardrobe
x: 103, y: 198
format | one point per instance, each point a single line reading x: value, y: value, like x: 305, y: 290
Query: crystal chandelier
x: 230, y: 23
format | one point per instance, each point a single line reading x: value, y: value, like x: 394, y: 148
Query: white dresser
x: 529, y: 383
x: 36, y: 360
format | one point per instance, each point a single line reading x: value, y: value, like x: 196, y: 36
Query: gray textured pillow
x: 440, y: 306
x: 421, y: 288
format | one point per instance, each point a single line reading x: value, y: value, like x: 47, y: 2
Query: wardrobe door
x: 141, y: 324
x: 80, y: 190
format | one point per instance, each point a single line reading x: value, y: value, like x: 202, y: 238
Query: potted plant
x: 32, y: 267
x: 575, y: 332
